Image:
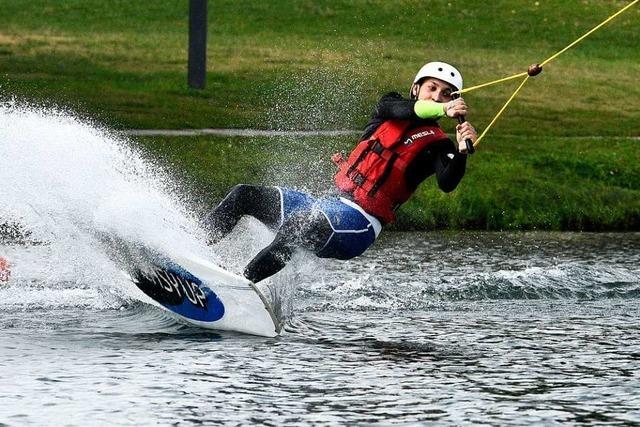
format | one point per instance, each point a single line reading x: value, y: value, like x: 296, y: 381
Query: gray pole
x: 197, y: 43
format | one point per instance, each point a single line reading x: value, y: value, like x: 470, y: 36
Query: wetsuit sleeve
x: 393, y: 106
x: 429, y: 109
x: 450, y: 167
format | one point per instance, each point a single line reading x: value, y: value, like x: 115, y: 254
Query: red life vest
x: 374, y: 173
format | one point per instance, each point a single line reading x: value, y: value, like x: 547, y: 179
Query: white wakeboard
x: 200, y: 293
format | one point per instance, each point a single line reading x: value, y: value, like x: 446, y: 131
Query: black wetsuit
x: 312, y: 230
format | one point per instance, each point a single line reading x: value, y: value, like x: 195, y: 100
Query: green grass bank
x: 515, y: 183
x: 562, y: 157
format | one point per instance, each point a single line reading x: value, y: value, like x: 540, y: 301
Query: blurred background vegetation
x: 564, y: 156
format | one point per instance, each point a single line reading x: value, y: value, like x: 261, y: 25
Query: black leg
x: 309, y: 230
x: 263, y: 203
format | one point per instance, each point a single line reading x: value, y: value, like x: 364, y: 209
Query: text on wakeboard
x: 173, y: 288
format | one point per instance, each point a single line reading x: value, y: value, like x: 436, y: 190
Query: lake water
x: 464, y: 328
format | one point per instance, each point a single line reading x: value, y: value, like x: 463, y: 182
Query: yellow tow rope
x: 536, y: 69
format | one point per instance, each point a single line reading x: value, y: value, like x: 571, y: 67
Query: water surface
x: 464, y: 328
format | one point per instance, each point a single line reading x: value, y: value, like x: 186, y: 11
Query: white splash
x: 67, y: 181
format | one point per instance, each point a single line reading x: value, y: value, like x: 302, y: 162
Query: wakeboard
x: 200, y: 293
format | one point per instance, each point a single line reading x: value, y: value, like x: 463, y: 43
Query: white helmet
x: 442, y: 71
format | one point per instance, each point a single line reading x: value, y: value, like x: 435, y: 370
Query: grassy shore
x: 302, y: 64
x: 514, y: 183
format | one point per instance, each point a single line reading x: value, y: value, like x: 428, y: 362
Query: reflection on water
x: 537, y: 328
